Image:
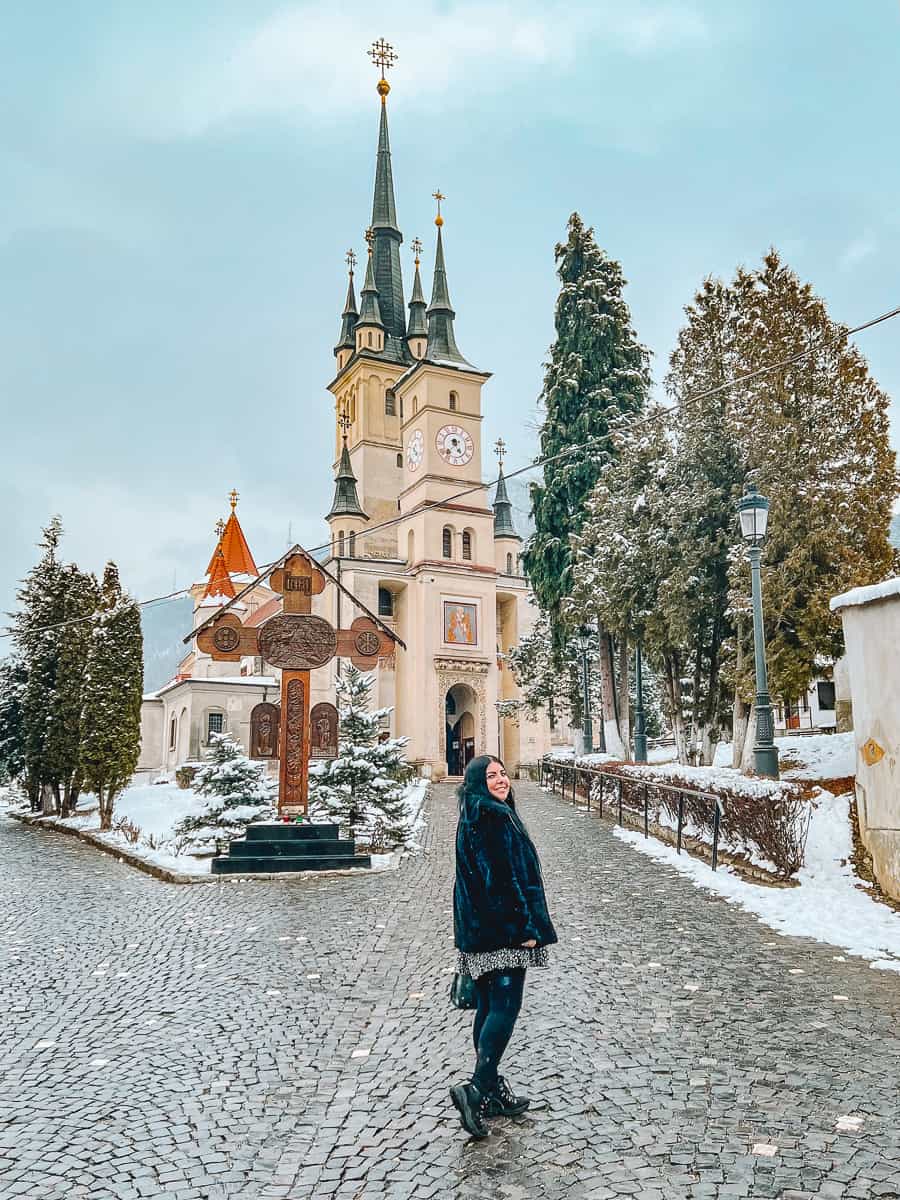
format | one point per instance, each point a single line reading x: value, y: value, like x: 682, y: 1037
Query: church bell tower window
x: 467, y: 545
x: 453, y: 401
x: 447, y: 542
x: 390, y: 403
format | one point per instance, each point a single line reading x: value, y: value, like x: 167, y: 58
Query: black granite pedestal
x: 291, y: 847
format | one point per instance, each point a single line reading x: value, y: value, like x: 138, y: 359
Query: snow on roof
x: 219, y: 601
x: 267, y: 681
x: 866, y: 595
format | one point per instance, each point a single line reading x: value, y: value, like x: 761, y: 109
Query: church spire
x: 235, y: 551
x: 350, y: 315
x: 386, y: 249
x: 346, y: 501
x: 370, y: 310
x: 503, y: 518
x: 442, y: 347
x: 417, y: 331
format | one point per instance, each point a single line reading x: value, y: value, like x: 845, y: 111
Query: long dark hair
x: 474, y: 788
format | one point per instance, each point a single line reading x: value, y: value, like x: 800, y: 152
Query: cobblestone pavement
x: 293, y: 1038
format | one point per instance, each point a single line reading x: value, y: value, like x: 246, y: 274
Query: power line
x: 661, y: 412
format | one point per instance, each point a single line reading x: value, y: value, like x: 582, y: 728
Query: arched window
x: 385, y: 602
x: 509, y: 566
x: 453, y: 401
x: 415, y: 405
x: 341, y: 544
x: 369, y: 337
x: 173, y: 733
x: 390, y: 402
x: 399, y: 460
x: 467, y: 545
x: 401, y: 408
x: 447, y: 542
x: 353, y: 545
x: 411, y: 547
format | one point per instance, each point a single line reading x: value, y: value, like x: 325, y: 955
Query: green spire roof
x: 346, y: 501
x: 442, y: 347
x: 417, y: 323
x: 386, y: 246
x: 349, y: 317
x: 370, y: 313
x: 503, y: 519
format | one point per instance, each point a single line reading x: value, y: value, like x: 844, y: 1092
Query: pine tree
x: 536, y: 671
x: 113, y: 686
x: 364, y: 788
x: 597, y: 377
x: 13, y: 678
x: 239, y: 792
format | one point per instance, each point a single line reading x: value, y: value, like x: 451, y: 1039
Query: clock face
x: 415, y: 450
x: 454, y: 445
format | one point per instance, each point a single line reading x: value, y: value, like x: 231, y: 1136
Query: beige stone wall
x: 872, y: 637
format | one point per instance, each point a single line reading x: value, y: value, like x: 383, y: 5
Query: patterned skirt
x: 502, y: 960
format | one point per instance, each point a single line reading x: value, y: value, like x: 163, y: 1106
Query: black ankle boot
x: 470, y: 1104
x: 503, y: 1103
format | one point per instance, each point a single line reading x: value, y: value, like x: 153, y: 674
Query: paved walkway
x: 293, y: 1039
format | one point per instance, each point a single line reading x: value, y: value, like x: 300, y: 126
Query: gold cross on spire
x: 344, y: 422
x: 416, y: 249
x: 351, y: 260
x: 220, y: 528
x: 370, y: 238
x: 234, y: 497
x: 439, y: 196
x: 500, y: 451
x: 383, y: 56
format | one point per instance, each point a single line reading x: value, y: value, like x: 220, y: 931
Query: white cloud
x: 305, y: 60
x: 858, y: 250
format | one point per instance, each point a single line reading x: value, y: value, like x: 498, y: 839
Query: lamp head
x: 753, y: 510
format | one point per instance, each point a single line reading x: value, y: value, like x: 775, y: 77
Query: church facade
x: 412, y: 532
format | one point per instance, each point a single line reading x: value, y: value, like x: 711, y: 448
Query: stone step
x: 251, y: 865
x: 317, y: 847
x: 282, y: 832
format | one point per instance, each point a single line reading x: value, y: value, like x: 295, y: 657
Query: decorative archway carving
x: 474, y: 675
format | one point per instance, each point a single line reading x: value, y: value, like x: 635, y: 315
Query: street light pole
x: 586, y: 724
x: 753, y: 510
x: 640, y: 725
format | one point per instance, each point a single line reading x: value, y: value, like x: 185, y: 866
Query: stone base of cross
x: 296, y: 642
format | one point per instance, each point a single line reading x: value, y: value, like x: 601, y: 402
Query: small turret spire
x: 418, y: 325
x: 503, y: 519
x: 442, y: 345
x: 370, y: 309
x: 346, y: 500
x: 350, y: 315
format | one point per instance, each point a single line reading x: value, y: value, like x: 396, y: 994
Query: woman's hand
x: 529, y: 945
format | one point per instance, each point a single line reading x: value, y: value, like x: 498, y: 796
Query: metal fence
x: 621, y: 793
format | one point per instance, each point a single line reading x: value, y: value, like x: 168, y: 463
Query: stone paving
x: 293, y: 1038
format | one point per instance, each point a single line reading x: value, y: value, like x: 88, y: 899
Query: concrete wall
x: 872, y: 637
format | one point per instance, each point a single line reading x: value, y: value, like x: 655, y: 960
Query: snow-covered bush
x: 238, y: 792
x: 365, y: 787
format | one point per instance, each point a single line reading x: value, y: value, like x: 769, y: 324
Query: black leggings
x: 499, y: 1001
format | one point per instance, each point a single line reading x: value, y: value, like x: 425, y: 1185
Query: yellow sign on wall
x: 872, y: 752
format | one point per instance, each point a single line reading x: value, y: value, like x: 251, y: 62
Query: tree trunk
x: 740, y: 719
x: 624, y: 698
x: 48, y: 800
x: 611, y: 729
x: 749, y: 741
x: 672, y: 683
x: 105, y: 800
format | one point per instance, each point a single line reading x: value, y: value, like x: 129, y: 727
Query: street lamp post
x: 584, y: 645
x: 640, y: 724
x: 753, y: 510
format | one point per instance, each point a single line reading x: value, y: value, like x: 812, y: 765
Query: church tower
x: 372, y: 352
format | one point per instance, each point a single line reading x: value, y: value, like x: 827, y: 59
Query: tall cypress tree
x: 597, y: 377
x: 113, y: 686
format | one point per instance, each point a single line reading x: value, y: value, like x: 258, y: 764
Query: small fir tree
x: 364, y: 788
x: 113, y: 687
x: 12, y: 733
x: 238, y: 794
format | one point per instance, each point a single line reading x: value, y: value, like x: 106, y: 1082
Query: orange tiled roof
x: 238, y: 558
x: 219, y: 582
x: 269, y: 609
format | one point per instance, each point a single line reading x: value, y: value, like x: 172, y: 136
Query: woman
x: 501, y: 927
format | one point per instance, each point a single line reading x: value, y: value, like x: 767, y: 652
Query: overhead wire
x: 660, y: 412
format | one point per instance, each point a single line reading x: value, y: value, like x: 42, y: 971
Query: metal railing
x: 562, y: 777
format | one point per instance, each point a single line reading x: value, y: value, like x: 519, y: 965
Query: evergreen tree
x: 537, y: 672
x: 112, y: 691
x: 365, y: 786
x: 239, y: 794
x: 13, y: 677
x: 597, y: 377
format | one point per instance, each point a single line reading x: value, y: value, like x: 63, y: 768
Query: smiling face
x: 497, y: 780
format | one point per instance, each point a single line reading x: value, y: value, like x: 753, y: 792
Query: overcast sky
x: 180, y: 184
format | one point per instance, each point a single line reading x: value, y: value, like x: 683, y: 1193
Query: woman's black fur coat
x: 498, y: 900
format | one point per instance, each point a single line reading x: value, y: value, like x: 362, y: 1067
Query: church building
x: 413, y: 534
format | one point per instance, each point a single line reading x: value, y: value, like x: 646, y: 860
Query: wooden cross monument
x: 296, y: 641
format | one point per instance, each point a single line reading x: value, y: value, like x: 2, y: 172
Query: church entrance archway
x: 460, y: 708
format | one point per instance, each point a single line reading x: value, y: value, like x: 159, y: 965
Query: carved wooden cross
x: 297, y: 642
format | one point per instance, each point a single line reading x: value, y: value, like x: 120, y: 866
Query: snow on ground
x: 814, y: 756
x: 829, y: 904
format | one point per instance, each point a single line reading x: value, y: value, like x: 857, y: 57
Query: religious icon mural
x: 264, y: 722
x: 323, y: 731
x: 460, y: 623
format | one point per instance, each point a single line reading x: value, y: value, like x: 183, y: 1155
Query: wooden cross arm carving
x: 363, y: 643
x: 227, y: 640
